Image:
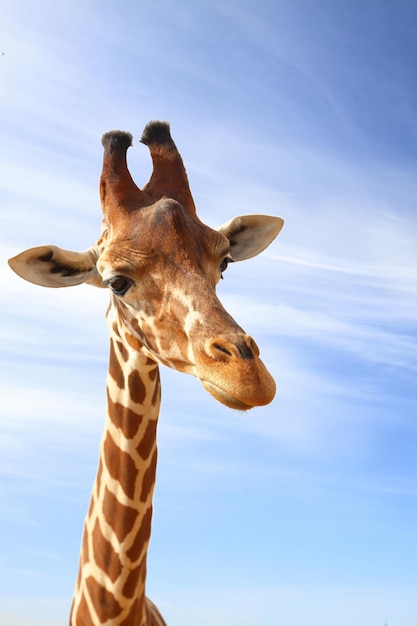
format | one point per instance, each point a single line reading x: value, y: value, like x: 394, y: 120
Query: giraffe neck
x: 110, y: 588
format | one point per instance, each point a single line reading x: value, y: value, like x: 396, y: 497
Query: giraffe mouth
x: 225, y: 398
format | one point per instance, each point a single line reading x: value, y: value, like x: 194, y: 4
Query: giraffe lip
x: 224, y: 397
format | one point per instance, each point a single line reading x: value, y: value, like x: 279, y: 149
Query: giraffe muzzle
x: 233, y: 373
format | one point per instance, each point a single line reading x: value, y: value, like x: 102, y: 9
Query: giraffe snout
x: 230, y: 369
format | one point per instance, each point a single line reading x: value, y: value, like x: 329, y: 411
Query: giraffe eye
x: 224, y: 264
x: 118, y: 284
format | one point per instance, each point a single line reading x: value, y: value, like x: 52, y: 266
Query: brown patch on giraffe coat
x: 124, y: 418
x: 91, y: 506
x: 144, y: 330
x: 120, y: 517
x: 141, y: 540
x: 120, y: 465
x: 83, y: 615
x: 115, y: 369
x: 180, y: 311
x: 147, y: 442
x: 131, y: 584
x: 104, y: 602
x: 134, y: 342
x: 148, y: 479
x: 136, y: 387
x: 124, y: 353
x: 105, y: 555
x: 153, y: 373
x: 134, y: 613
x: 85, y: 550
x: 98, y: 477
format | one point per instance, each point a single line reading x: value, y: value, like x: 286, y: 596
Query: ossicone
x: 115, y: 140
x: 156, y: 132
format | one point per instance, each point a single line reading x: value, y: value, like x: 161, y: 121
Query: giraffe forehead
x: 161, y: 233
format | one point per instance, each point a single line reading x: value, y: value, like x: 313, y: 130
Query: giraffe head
x: 161, y: 265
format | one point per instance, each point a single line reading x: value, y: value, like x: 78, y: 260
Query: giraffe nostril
x: 221, y: 348
x: 245, y: 351
x: 248, y: 348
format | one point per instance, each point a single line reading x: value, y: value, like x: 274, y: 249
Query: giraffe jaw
x: 225, y: 398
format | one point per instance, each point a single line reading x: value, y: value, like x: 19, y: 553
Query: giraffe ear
x: 250, y: 234
x: 50, y: 266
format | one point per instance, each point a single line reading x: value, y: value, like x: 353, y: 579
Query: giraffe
x: 161, y: 265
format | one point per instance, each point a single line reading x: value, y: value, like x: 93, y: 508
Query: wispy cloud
x: 303, y: 114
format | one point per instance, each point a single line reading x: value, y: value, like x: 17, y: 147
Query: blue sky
x: 301, y: 512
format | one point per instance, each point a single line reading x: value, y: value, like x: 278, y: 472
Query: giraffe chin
x: 222, y: 396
